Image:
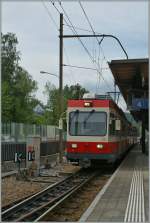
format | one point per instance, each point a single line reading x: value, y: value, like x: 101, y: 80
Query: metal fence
x: 18, y: 132
x: 8, y: 150
x: 49, y: 148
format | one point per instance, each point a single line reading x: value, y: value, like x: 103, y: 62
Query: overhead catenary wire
x: 81, y: 41
x: 100, y: 67
x: 50, y: 15
x: 99, y: 42
x: 88, y: 68
x: 57, y: 28
x: 72, y: 28
x: 55, y: 24
x: 68, y: 61
x: 90, y: 25
x: 98, y: 75
x: 88, y: 20
x: 92, y: 29
x: 81, y: 67
x: 74, y: 31
x: 79, y: 28
x: 64, y: 47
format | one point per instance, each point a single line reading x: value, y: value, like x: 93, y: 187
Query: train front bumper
x: 90, y: 156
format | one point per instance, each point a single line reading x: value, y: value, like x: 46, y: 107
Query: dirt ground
x: 13, y: 190
x: 69, y: 168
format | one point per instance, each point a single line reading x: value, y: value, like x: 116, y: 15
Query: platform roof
x: 131, y: 75
x: 125, y: 74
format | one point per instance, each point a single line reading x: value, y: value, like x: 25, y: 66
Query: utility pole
x: 61, y: 88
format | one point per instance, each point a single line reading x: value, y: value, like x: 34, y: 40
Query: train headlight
x: 88, y: 104
x: 100, y: 146
x: 74, y: 146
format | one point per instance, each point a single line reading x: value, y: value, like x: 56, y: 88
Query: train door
x: 118, y: 129
x: 115, y: 132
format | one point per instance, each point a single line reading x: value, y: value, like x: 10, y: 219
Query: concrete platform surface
x: 125, y: 197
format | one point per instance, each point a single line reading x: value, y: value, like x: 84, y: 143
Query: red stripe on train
x: 91, y: 147
x: 94, y: 103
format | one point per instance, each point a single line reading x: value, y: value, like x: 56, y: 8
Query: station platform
x: 125, y: 197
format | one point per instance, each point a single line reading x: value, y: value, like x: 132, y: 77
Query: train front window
x: 87, y: 123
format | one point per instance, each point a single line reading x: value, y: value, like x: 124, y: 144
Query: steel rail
x: 26, y: 200
x: 33, y: 207
x: 30, y: 198
x: 6, y: 207
x: 41, y: 218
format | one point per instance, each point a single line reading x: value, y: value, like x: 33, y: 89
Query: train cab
x: 94, y: 127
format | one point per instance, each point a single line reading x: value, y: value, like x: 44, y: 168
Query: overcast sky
x: 39, y: 43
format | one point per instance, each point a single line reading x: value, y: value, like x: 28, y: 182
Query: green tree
x: 69, y: 92
x: 10, y: 56
x: 23, y: 88
x: 7, y: 102
x: 38, y: 119
x: 52, y: 116
x: 17, y: 85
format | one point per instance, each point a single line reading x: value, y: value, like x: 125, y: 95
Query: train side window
x: 112, y: 127
x: 115, y: 125
x: 112, y: 124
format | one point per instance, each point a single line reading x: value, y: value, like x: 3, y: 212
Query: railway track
x: 72, y: 206
x: 34, y: 207
x: 6, y: 207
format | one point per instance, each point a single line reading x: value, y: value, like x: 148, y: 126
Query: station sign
x: 139, y: 103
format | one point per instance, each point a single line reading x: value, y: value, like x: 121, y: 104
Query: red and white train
x: 97, y: 130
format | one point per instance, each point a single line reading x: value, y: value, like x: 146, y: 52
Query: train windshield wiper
x: 74, y: 114
x: 89, y: 115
